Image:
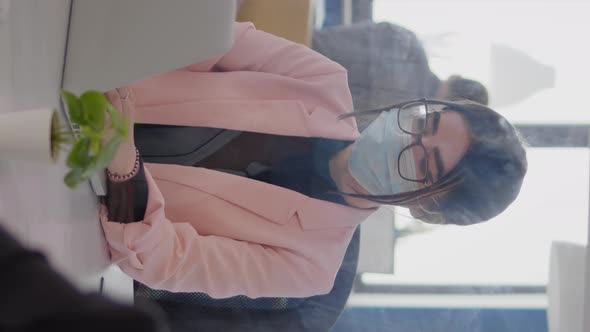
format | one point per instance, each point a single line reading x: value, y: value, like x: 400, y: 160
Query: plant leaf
x: 117, y: 122
x: 74, y: 177
x: 94, y: 105
x: 79, y: 156
x: 88, y: 154
x: 91, y: 167
x: 94, y: 145
x: 108, y: 151
x: 74, y: 107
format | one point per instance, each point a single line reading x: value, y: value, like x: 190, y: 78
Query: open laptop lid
x: 112, y: 43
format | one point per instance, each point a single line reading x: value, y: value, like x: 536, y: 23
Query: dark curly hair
x: 486, y: 180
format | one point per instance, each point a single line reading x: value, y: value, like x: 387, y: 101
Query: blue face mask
x: 373, y: 161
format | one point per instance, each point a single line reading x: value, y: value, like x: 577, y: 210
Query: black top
x: 307, y: 173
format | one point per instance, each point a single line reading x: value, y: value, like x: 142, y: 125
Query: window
x: 527, y: 56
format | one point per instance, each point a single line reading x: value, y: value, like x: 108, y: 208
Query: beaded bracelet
x: 121, y: 178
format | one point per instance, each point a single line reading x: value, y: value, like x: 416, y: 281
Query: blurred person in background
x: 37, y: 298
x: 387, y: 64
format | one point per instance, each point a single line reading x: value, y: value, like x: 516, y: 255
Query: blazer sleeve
x: 289, y: 70
x: 173, y: 256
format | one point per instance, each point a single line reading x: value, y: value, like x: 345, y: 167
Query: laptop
x: 112, y: 43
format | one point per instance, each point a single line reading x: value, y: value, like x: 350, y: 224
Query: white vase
x: 26, y: 135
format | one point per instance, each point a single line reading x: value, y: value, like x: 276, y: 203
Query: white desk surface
x: 586, y: 308
x: 35, y: 205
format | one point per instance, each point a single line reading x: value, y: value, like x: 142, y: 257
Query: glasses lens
x: 412, y: 118
x: 413, y: 163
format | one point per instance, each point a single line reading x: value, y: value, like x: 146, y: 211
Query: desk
x: 569, y: 285
x: 35, y: 205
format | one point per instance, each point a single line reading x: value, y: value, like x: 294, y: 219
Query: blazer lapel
x: 278, y: 117
x: 274, y: 203
x: 270, y: 202
x: 318, y: 214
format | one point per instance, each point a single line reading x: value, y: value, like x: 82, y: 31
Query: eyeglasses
x: 412, y: 119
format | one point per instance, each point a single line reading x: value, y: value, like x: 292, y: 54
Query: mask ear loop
x: 430, y: 213
x: 435, y: 217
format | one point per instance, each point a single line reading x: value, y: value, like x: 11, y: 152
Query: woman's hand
x: 123, y: 100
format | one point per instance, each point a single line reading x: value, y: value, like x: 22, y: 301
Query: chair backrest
x: 202, y: 299
x: 199, y: 312
x: 180, y: 145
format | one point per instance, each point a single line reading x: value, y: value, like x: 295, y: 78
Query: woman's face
x: 446, y: 139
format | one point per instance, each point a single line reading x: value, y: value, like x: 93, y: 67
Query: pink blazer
x: 225, y: 235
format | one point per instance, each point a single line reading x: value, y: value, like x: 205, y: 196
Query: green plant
x: 92, y: 149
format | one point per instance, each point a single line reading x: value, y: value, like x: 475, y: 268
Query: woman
x: 283, y: 229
